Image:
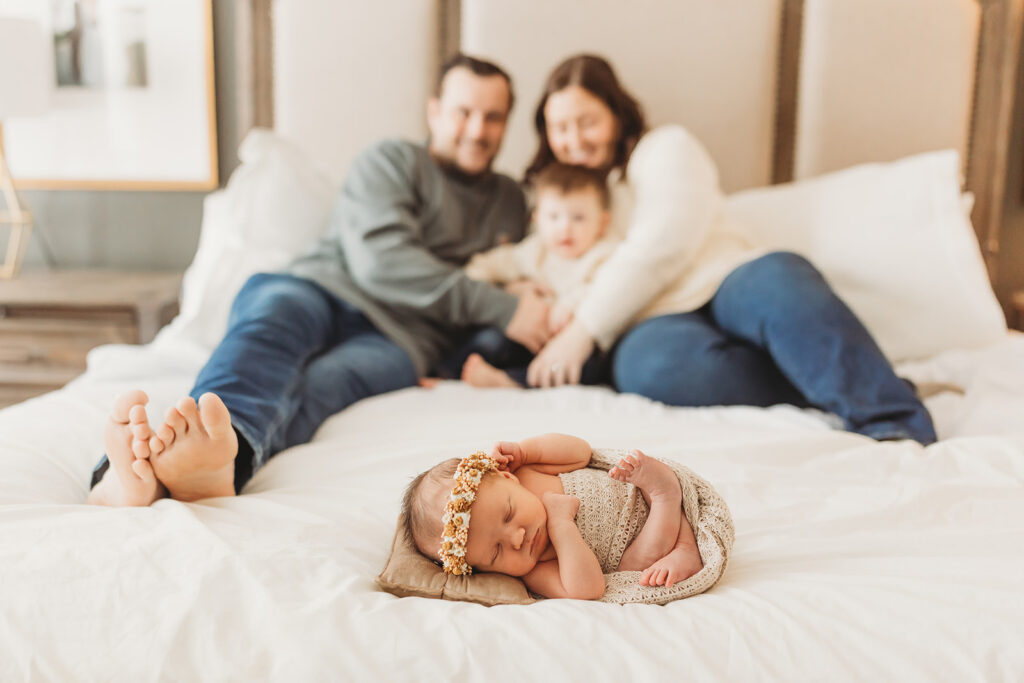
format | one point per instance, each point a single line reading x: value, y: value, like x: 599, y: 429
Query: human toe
x: 214, y: 415
x: 188, y: 409
x: 175, y: 425
x: 140, y: 448
x: 139, y: 423
x: 144, y: 471
x: 124, y: 403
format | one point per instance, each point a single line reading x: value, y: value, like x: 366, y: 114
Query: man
x: 370, y: 309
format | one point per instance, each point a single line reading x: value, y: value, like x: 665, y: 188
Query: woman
x: 713, y: 322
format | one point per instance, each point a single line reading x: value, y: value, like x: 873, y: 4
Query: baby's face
x: 570, y: 224
x: 508, y: 527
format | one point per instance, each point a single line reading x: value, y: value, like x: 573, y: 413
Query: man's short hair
x: 565, y: 179
x: 479, y: 67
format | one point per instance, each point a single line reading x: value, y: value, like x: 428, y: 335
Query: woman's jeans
x: 293, y: 355
x: 774, y: 332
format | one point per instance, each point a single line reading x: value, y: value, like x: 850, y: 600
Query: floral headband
x: 468, y: 474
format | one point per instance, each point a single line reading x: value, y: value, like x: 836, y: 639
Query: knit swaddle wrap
x: 612, y: 513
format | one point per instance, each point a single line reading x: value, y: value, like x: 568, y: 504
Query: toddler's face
x: 508, y: 527
x: 570, y: 224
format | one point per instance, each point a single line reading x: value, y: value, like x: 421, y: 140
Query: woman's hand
x: 559, y: 317
x: 561, y: 360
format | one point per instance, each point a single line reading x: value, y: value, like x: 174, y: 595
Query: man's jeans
x: 511, y: 357
x: 774, y: 332
x: 295, y: 354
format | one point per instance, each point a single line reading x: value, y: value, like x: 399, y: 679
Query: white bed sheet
x: 854, y: 560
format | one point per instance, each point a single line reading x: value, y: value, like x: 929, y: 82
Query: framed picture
x: 131, y: 104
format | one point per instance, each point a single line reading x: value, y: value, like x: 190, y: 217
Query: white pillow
x: 275, y: 205
x: 894, y: 242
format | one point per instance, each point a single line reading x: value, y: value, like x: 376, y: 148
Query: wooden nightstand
x: 50, y: 319
x: 1017, y: 304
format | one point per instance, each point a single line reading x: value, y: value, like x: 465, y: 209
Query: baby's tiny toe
x: 156, y: 446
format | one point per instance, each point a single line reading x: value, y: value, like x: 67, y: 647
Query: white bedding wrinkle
x: 853, y: 559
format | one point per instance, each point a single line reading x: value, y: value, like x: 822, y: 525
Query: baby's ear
x: 509, y: 475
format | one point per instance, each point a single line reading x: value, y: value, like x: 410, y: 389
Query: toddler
x: 513, y: 512
x: 565, y: 249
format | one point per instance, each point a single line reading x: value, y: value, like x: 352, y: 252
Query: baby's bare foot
x: 479, y: 373
x: 680, y: 564
x: 130, y: 479
x: 660, y: 488
x: 193, y: 452
x: 655, y: 479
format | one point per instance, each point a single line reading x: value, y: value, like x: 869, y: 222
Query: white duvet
x: 854, y: 560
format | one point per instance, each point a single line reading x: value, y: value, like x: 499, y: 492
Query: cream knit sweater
x: 567, y: 277
x: 676, y: 248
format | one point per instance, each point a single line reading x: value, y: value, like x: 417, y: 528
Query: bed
x: 853, y: 560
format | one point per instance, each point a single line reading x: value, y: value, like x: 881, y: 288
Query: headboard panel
x: 349, y: 73
x: 880, y: 80
x: 710, y: 66
x: 775, y: 89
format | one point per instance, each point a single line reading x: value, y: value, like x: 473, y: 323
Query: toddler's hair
x: 566, y: 179
x: 423, y: 504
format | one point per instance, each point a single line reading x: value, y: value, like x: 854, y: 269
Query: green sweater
x: 401, y: 229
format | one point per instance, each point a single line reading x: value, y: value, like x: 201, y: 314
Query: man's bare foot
x: 660, y: 488
x: 479, y: 373
x: 680, y: 564
x: 193, y: 452
x: 130, y: 479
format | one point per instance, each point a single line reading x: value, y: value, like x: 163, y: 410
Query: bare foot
x: 130, y: 479
x: 654, y: 478
x: 680, y: 564
x: 479, y: 373
x: 193, y: 452
x: 660, y: 488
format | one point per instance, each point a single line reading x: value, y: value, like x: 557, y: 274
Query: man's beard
x: 451, y: 167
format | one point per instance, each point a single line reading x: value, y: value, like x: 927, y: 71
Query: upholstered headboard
x: 776, y: 89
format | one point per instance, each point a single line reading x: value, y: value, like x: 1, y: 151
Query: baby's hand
x: 508, y: 455
x: 523, y: 286
x: 560, y: 506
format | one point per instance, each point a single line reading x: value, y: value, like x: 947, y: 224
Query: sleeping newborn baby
x: 514, y: 512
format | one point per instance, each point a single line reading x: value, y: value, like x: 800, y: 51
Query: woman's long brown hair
x: 595, y: 75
